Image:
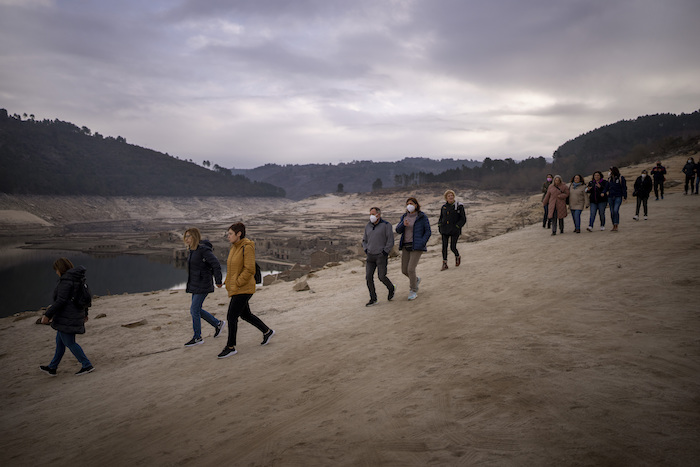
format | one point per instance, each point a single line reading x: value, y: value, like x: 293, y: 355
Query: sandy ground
x: 579, y: 349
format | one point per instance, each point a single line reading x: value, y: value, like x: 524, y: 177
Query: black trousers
x: 377, y: 263
x: 238, y: 307
x: 452, y: 240
x: 658, y: 185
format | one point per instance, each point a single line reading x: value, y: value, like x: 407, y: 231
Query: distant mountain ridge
x: 54, y: 157
x: 302, y: 181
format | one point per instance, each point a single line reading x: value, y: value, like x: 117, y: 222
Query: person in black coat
x: 202, y: 269
x: 689, y: 171
x: 452, y: 219
x: 66, y: 317
x: 642, y: 190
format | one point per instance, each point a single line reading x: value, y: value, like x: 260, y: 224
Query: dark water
x: 27, y: 278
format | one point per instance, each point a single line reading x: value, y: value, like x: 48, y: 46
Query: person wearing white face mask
x: 377, y: 242
x: 642, y: 190
x: 414, y: 228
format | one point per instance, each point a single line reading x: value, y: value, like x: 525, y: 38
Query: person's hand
x: 45, y: 320
x: 86, y: 319
x: 405, y: 222
x: 219, y: 285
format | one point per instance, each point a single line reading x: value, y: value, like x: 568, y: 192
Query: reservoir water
x: 27, y: 278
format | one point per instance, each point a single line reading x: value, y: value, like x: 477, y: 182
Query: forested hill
x: 55, y: 157
x: 626, y: 142
x: 301, y: 181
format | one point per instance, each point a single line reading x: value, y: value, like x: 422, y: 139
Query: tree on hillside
x: 377, y: 185
x: 340, y: 188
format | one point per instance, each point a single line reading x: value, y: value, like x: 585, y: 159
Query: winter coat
x: 658, y: 173
x: 378, y: 238
x: 64, y: 314
x: 577, y: 197
x: 202, y: 267
x: 642, y: 188
x: 689, y: 169
x: 597, y: 194
x: 452, y: 219
x: 240, y: 268
x: 617, y: 187
x: 421, y: 232
x: 545, y: 187
x: 556, y: 199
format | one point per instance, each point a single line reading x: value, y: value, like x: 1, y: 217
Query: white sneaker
x: 412, y: 295
x: 602, y: 227
x: 636, y: 218
x: 645, y: 218
x: 589, y: 229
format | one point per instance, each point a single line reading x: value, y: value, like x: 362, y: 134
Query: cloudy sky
x: 247, y: 82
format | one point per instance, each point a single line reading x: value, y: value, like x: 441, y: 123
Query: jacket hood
x: 76, y: 274
x: 206, y: 244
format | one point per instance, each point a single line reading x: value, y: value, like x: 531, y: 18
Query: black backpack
x: 82, y: 296
x: 258, y: 271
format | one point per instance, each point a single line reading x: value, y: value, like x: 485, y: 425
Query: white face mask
x: 689, y: 161
x: 609, y: 173
x: 643, y: 175
x: 410, y: 208
x: 373, y: 218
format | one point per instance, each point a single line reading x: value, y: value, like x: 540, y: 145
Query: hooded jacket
x: 452, y: 219
x: 556, y: 200
x: 240, y: 268
x: 202, y: 267
x: 642, y: 187
x: 65, y: 315
x: 617, y: 187
x: 597, y: 195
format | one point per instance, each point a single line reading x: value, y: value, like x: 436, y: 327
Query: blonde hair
x: 195, y: 234
x: 447, y: 193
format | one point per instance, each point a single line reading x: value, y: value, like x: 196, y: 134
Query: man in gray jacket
x: 377, y: 243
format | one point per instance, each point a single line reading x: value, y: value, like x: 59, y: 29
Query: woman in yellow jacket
x: 240, y: 284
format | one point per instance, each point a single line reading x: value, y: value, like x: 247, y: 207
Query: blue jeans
x: 576, y: 214
x: 615, y: 202
x: 64, y: 340
x: 197, y: 313
x: 597, y: 208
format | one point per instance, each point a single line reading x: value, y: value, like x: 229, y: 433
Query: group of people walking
x: 598, y: 194
x: 414, y: 228
x: 68, y: 318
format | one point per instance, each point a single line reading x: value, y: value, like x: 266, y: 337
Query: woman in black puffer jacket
x: 66, y: 317
x: 202, y: 269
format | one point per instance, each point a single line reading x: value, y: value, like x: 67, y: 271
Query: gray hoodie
x: 378, y: 238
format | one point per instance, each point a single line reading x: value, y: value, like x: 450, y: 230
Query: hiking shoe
x: 417, y: 283
x: 194, y: 341
x: 391, y: 293
x: 412, y: 295
x: 221, y: 325
x: 48, y: 370
x: 267, y: 335
x: 371, y: 302
x: 86, y: 370
x: 444, y: 266
x: 458, y: 261
x: 227, y: 352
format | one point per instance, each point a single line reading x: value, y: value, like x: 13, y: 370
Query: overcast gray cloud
x: 244, y: 83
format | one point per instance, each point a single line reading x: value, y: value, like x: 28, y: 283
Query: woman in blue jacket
x: 202, y: 269
x: 414, y: 228
x: 66, y: 316
x: 617, y: 191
